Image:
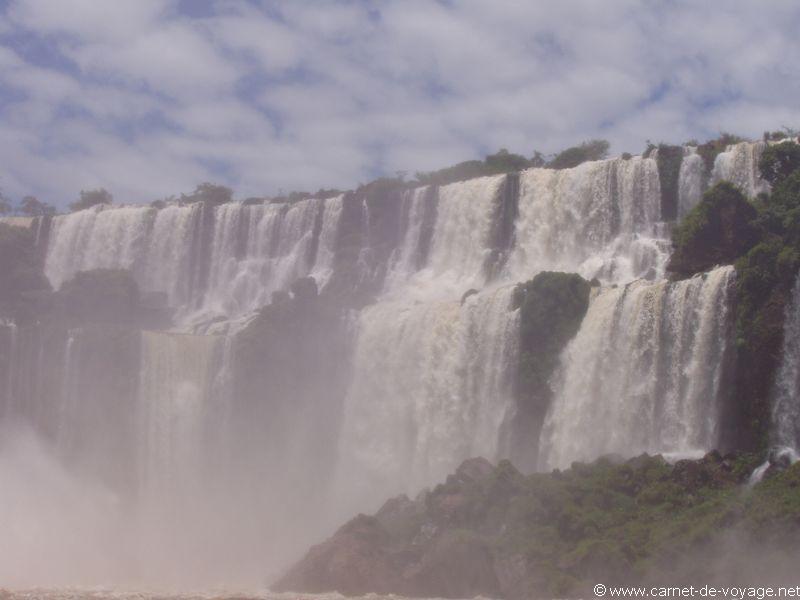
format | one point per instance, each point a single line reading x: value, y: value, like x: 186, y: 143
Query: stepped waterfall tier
x: 441, y: 371
x: 255, y: 372
x: 643, y: 374
x: 785, y: 410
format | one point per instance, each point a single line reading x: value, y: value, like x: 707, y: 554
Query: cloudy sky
x: 149, y: 97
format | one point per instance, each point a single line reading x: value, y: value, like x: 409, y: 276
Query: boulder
x: 355, y: 561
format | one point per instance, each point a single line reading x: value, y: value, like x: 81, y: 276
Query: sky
x: 148, y: 98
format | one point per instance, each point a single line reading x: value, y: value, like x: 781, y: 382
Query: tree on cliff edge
x: 91, y: 198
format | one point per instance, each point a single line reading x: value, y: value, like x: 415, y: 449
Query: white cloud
x: 147, y: 101
x: 88, y: 19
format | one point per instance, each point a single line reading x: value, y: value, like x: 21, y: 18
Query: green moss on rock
x: 717, y: 231
x: 552, y: 306
x: 556, y: 534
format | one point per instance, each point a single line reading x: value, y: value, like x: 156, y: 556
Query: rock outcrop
x: 490, y: 531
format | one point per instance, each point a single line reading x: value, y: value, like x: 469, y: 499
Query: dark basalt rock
x: 467, y: 294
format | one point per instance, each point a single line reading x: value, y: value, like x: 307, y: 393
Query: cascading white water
x: 326, y: 247
x: 461, y: 239
x: 597, y: 219
x: 442, y: 373
x: 442, y: 369
x: 643, y: 372
x: 174, y: 395
x: 180, y: 492
x: 8, y: 358
x: 432, y: 374
x: 258, y: 250
x: 691, y: 179
x: 254, y: 250
x: 98, y: 238
x: 69, y: 397
x: 785, y: 403
x: 171, y: 251
x: 739, y: 165
x: 405, y: 260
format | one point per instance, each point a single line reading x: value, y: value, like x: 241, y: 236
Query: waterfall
x: 172, y: 253
x: 68, y: 408
x: 785, y: 405
x: 442, y: 373
x: 252, y: 250
x: 176, y: 379
x: 189, y: 435
x: 691, y: 180
x: 643, y: 372
x: 597, y: 219
x: 739, y: 165
x: 411, y: 255
x: 8, y: 359
x: 461, y: 243
x: 326, y: 248
x: 258, y: 250
x: 98, y: 238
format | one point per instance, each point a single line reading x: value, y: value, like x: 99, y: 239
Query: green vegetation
x: 717, y: 231
x: 208, y: 192
x: 494, y: 164
x: 383, y: 186
x: 712, y: 148
x: 762, y: 238
x: 572, y: 157
x: 31, y: 206
x: 91, y: 198
x: 637, y: 522
x: 779, y: 161
x: 785, y: 133
x: 552, y: 306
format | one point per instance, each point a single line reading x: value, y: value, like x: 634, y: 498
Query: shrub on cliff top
x: 779, y: 161
x: 208, y: 192
x: 91, y: 198
x: 712, y: 148
x: 717, y: 231
x: 572, y: 157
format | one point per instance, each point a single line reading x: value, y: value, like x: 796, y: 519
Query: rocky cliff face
x: 490, y: 531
